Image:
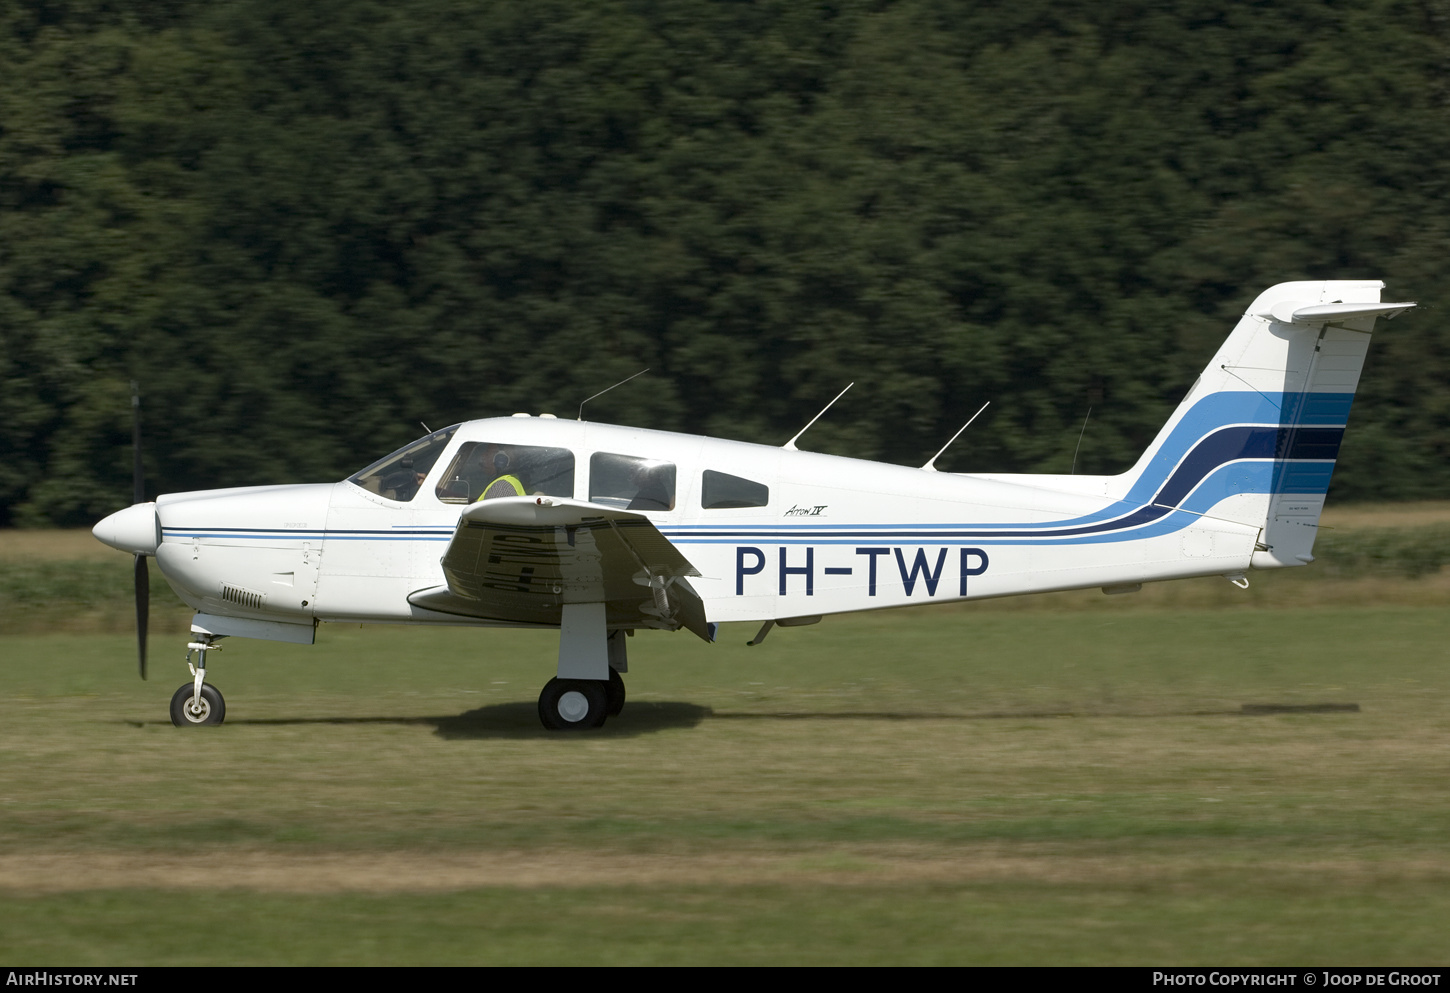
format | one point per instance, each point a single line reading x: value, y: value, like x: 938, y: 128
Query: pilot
x: 403, y: 484
x: 504, y: 485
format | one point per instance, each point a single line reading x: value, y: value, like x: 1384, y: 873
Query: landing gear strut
x: 198, y: 703
x: 589, y: 687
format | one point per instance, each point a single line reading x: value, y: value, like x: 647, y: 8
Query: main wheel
x: 213, y: 708
x: 573, y: 704
x: 614, y: 694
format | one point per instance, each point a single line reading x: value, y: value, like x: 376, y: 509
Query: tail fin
x: 1256, y: 438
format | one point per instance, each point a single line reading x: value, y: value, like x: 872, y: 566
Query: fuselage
x: 775, y: 533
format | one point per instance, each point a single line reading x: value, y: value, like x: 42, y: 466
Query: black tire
x: 614, y: 694
x: 214, y: 708
x: 573, y: 704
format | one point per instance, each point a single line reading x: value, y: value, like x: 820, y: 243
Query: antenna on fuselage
x: 931, y: 463
x: 789, y: 446
x: 602, y: 392
x: 1079, y: 440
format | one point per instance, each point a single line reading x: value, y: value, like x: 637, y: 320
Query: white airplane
x: 600, y: 530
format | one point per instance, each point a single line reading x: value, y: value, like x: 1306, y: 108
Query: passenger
x: 656, y: 489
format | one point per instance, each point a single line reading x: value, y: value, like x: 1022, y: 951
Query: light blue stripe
x: 1303, y: 477
x: 1222, y: 409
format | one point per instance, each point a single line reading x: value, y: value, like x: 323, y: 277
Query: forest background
x: 307, y: 228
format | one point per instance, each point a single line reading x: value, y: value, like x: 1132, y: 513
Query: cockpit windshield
x: 399, y: 476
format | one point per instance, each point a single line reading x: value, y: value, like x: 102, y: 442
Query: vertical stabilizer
x: 1256, y: 439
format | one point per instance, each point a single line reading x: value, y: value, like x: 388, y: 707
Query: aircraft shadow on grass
x: 513, y: 720
x: 520, y: 719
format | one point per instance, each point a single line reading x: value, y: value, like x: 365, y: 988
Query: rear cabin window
x: 483, y: 471
x: 631, y: 483
x: 722, y: 491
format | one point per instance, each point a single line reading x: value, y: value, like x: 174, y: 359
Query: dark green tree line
x: 307, y: 228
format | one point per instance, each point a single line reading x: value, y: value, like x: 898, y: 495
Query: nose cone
x: 135, y: 529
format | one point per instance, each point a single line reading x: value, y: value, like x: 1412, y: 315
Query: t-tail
x: 1256, y: 439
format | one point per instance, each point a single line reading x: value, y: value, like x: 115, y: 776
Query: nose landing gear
x: 198, y: 703
x: 189, y: 711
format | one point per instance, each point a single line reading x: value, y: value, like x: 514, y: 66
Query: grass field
x: 1170, y: 778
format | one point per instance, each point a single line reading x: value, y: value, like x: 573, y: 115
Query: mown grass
x: 1061, y: 779
x: 951, y: 786
x: 1239, y: 917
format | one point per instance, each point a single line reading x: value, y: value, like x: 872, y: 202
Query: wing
x: 521, y: 559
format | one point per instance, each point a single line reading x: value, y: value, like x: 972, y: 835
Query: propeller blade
x: 138, y: 495
x: 143, y: 609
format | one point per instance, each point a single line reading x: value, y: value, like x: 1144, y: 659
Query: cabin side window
x: 722, y: 491
x: 631, y: 483
x: 482, y: 471
x: 399, y: 475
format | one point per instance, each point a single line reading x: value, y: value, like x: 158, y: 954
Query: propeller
x: 141, y: 571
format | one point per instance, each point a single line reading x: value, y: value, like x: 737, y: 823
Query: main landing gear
x: 589, y: 687
x: 573, y: 704
x: 198, y: 703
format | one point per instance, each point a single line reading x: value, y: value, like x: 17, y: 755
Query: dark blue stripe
x: 1235, y: 444
x: 1312, y: 443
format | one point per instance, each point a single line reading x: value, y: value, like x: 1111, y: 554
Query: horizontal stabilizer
x: 1302, y: 312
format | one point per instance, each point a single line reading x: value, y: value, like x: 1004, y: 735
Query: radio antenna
x: 931, y: 463
x: 1079, y: 440
x: 602, y: 392
x: 789, y: 446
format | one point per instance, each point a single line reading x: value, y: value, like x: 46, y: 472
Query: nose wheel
x: 188, y: 710
x: 198, y: 703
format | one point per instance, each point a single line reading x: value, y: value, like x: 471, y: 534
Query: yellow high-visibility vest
x: 503, y: 486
